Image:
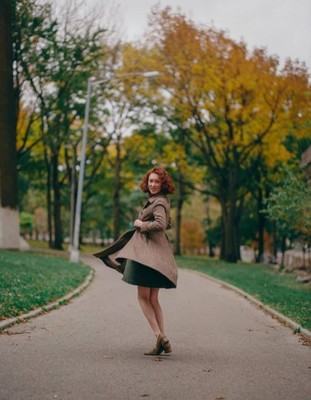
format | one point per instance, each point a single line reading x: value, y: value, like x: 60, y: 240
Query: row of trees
x: 224, y: 120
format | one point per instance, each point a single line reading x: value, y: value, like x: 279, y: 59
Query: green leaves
x: 290, y: 204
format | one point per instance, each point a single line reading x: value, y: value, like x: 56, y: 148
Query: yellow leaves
x: 174, y: 153
x: 22, y: 124
x: 274, y: 152
x: 137, y: 59
x: 140, y: 148
x: 233, y: 101
x: 26, y: 128
x: 192, y: 235
x: 245, y: 92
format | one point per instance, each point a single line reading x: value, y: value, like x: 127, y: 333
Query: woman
x: 144, y: 255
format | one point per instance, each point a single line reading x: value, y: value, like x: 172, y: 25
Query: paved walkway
x: 223, y: 348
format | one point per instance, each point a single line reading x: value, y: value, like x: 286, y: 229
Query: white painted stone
x: 9, y: 228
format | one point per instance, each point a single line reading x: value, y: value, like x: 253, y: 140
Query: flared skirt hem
x: 142, y: 275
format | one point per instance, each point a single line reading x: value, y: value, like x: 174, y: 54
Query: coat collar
x: 152, y: 199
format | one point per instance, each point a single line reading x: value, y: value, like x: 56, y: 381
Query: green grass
x: 30, y: 280
x: 85, y: 248
x: 277, y: 290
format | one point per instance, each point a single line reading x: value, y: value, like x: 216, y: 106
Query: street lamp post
x: 74, y: 248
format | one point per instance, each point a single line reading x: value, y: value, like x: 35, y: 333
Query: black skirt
x: 141, y: 275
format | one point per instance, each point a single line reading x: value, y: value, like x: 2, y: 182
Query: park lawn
x: 85, y: 248
x: 30, y: 280
x: 278, y: 290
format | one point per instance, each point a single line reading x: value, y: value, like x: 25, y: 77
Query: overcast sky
x: 283, y: 26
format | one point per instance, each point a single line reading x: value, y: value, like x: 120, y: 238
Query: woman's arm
x: 158, y: 224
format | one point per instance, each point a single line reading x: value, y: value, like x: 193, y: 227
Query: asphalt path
x: 224, y: 348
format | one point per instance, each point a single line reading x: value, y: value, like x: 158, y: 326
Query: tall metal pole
x: 74, y: 251
x: 72, y: 199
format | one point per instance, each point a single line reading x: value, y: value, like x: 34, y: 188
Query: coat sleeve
x: 158, y: 224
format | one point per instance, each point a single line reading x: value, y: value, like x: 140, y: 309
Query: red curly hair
x: 166, y: 180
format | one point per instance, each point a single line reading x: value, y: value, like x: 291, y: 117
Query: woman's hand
x: 138, y: 223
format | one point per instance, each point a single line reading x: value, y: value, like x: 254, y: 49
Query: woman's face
x: 154, y: 184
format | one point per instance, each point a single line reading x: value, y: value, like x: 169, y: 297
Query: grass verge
x: 85, y: 248
x: 277, y: 290
x: 30, y: 280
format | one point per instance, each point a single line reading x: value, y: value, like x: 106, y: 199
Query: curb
x: 280, y: 317
x: 51, y: 306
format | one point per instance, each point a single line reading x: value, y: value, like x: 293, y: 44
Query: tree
x: 125, y: 104
x: 187, y: 177
x: 236, y: 105
x: 54, y: 59
x: 9, y: 221
x: 168, y: 132
x: 122, y: 108
x: 290, y: 205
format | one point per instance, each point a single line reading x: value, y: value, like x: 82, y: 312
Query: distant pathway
x: 92, y: 349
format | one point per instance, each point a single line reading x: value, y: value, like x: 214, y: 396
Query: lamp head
x: 151, y: 74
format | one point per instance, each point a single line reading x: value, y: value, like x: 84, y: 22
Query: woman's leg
x: 144, y: 294
x: 154, y: 300
x: 148, y: 300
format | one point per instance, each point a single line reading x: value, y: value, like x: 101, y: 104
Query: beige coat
x: 149, y: 244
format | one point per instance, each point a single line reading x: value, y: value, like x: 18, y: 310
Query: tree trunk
x: 211, y: 244
x: 230, y: 241
x: 116, y: 194
x: 179, y: 204
x: 261, y: 228
x: 275, y: 241
x: 231, y: 207
x: 230, y: 253
x: 58, y: 237
x: 48, y: 198
x: 211, y: 251
x: 222, y: 239
x: 283, y: 249
x: 9, y: 218
x: 236, y: 237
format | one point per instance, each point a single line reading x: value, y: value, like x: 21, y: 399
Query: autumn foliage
x: 238, y: 107
x: 219, y: 117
